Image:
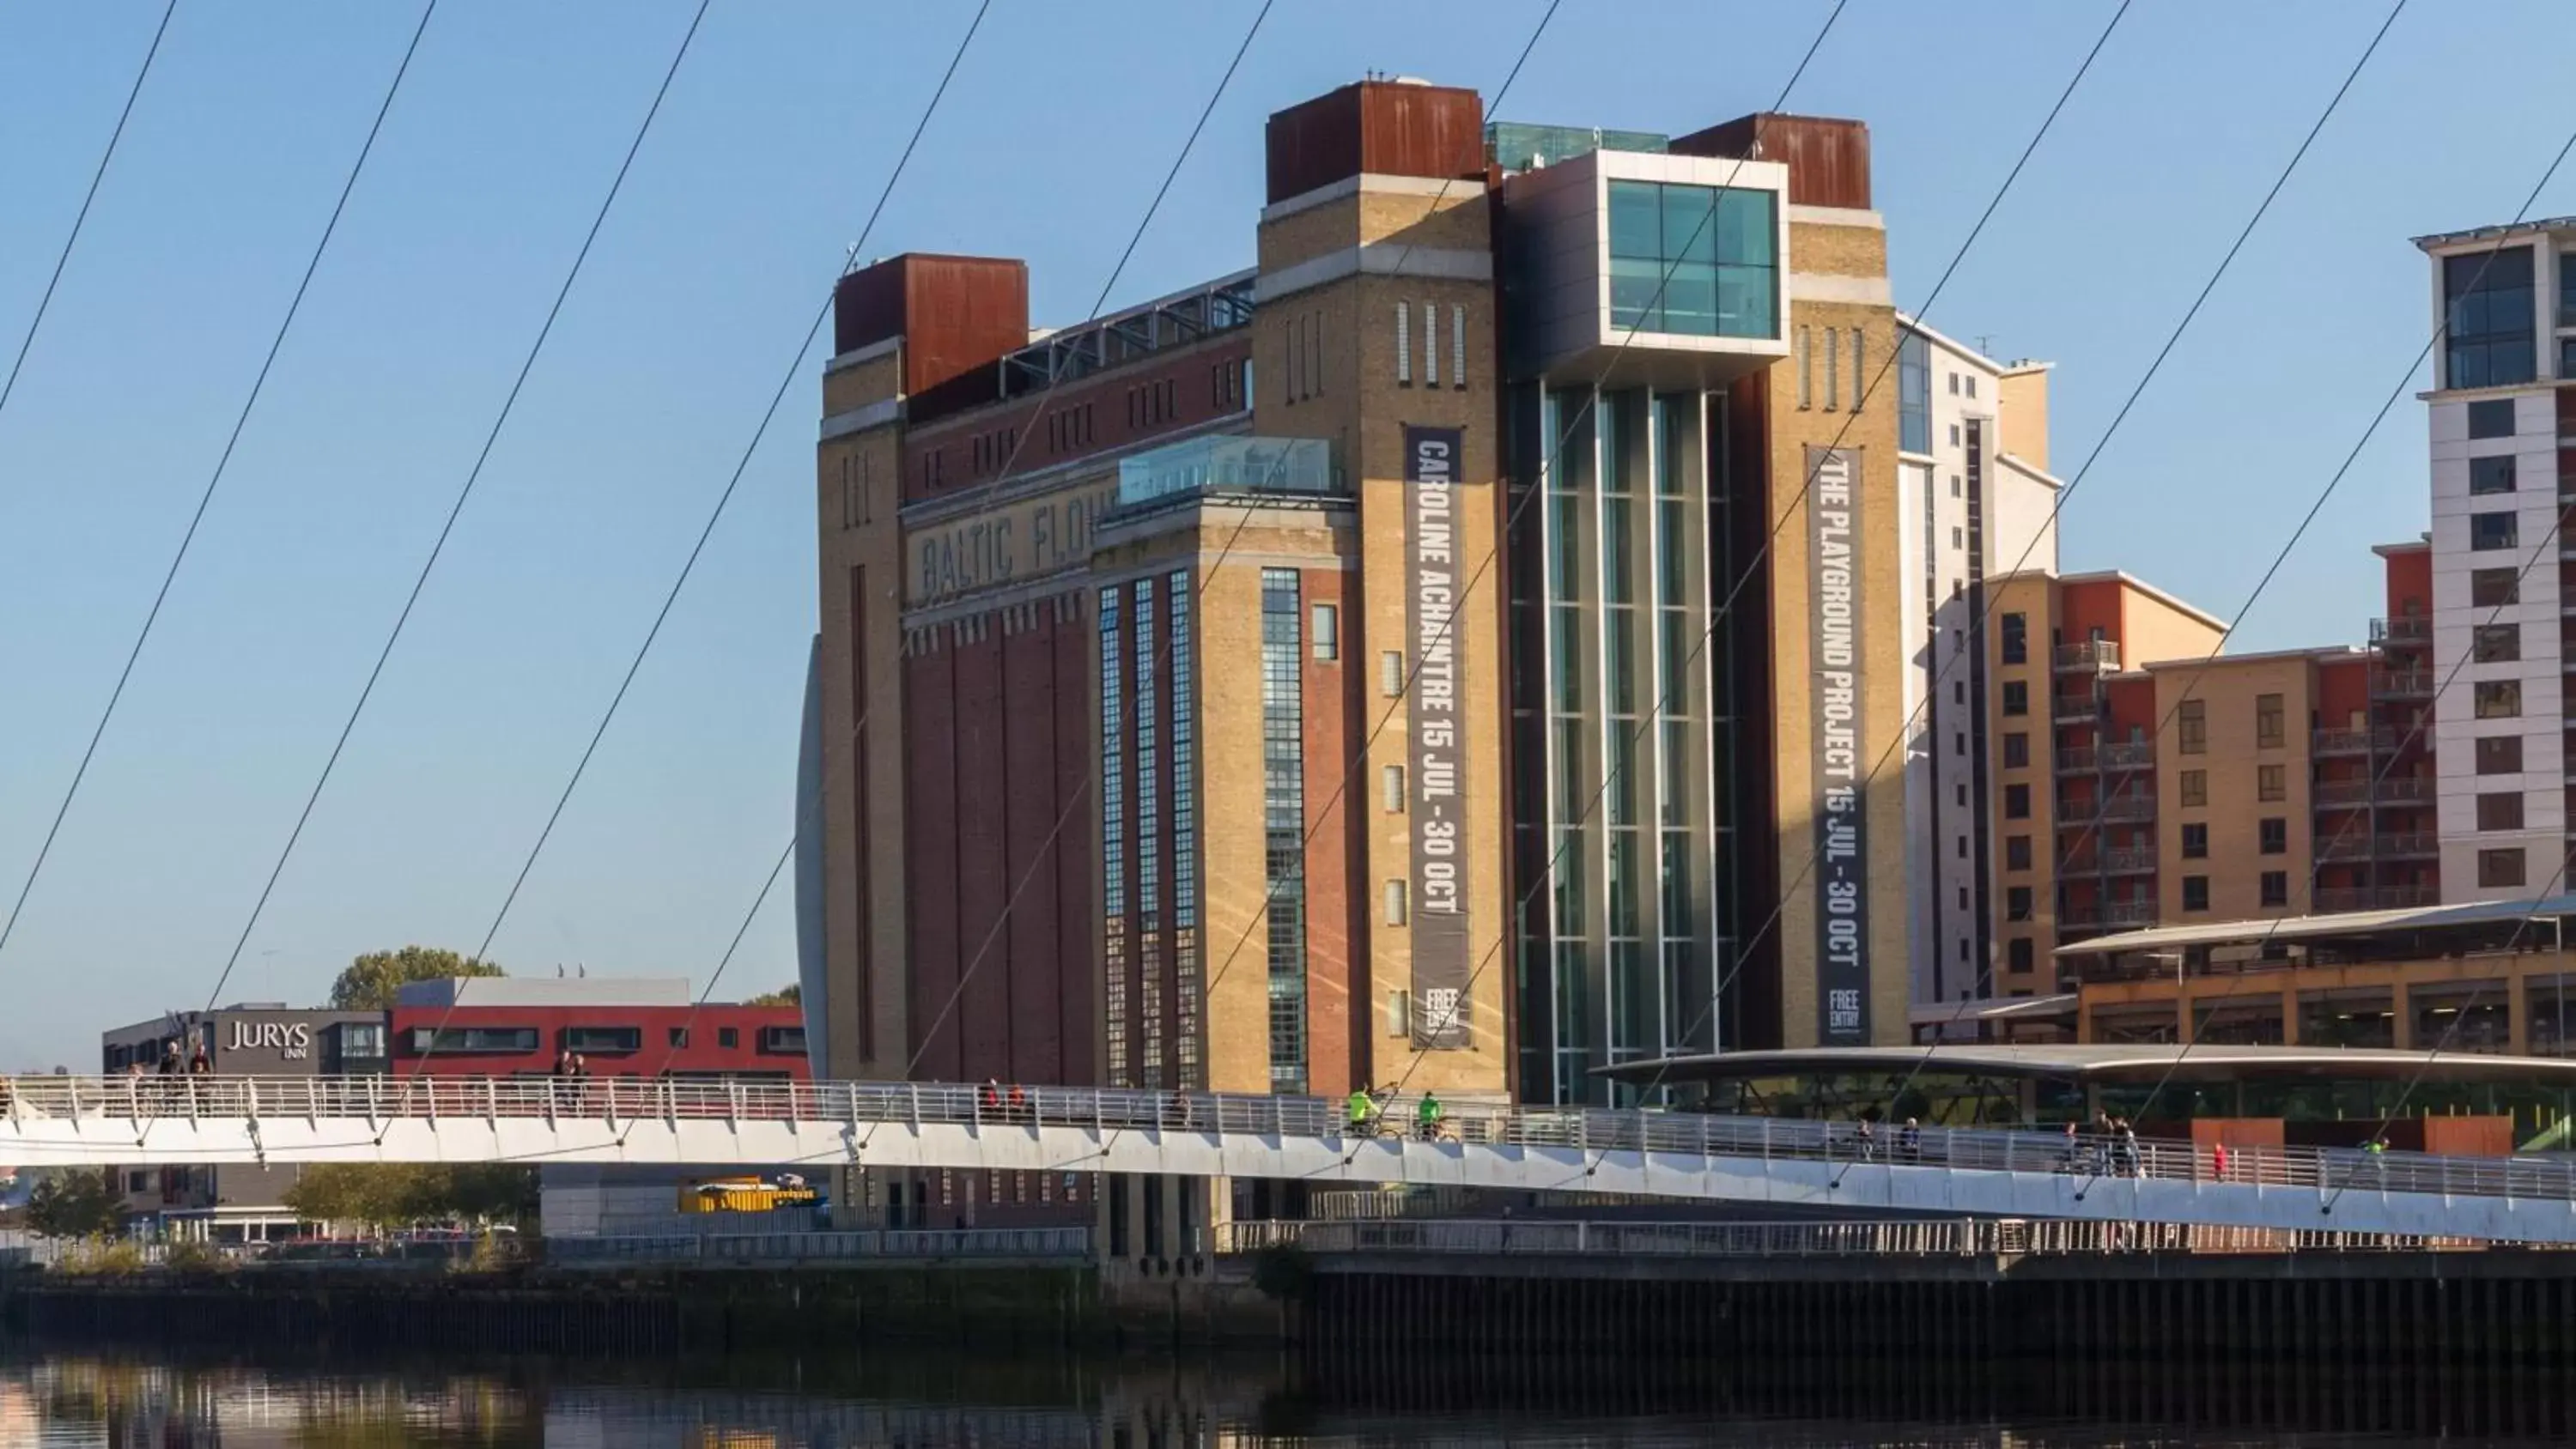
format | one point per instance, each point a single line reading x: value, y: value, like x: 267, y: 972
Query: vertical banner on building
x: 1840, y: 812
x: 1437, y: 753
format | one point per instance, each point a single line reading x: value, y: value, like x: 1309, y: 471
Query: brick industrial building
x: 1110, y: 617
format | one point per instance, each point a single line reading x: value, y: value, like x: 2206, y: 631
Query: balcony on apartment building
x: 2405, y: 792
x: 2401, y: 683
x: 2102, y: 915
x: 2075, y: 709
x: 2405, y: 631
x: 2125, y: 755
x: 2126, y: 807
x: 2354, y: 742
x: 2089, y: 656
x: 2331, y: 899
x: 2116, y: 860
x: 2380, y: 845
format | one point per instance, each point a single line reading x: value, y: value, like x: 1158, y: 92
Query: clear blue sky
x: 777, y: 136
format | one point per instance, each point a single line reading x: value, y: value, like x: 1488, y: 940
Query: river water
x: 109, y: 1399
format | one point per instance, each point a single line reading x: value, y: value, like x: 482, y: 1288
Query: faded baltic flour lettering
x: 1437, y: 752
x: 1839, y: 804
x: 998, y: 546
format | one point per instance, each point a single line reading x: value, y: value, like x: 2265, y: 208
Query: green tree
x: 80, y: 1204
x: 783, y: 996
x: 401, y: 1194
x: 370, y: 981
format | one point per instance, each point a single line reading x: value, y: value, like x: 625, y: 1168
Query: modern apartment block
x: 1375, y: 664
x: 2073, y: 757
x: 2499, y: 412
x: 1978, y: 503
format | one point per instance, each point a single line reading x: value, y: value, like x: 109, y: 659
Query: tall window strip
x: 1187, y: 990
x: 1803, y: 344
x: 1404, y: 343
x: 1113, y: 839
x: 1457, y: 344
x: 1283, y: 794
x: 1860, y: 378
x: 1149, y: 853
x: 1431, y: 344
x: 1833, y: 378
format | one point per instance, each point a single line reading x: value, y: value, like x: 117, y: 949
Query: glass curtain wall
x: 1617, y: 835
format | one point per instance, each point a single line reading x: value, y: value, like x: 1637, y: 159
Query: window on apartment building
x: 1397, y: 909
x: 2016, y: 697
x: 1431, y: 343
x: 1833, y: 372
x: 2017, y: 954
x: 2016, y: 638
x: 2267, y: 722
x: 2195, y: 893
x: 2272, y: 834
x: 2496, y: 643
x: 1458, y: 345
x: 1325, y: 632
x: 1390, y: 673
x: 728, y: 1036
x: 2016, y: 852
x: 1958, y: 691
x: 2501, y: 810
x: 2195, y: 787
x: 2016, y: 750
x: 1802, y: 344
x: 677, y: 1037
x: 2499, y: 755
x: 1860, y: 379
x: 2271, y: 782
x: 2492, y: 418
x: 1954, y: 435
x: 2276, y: 888
x: 2491, y: 531
x: 2017, y: 903
x: 1956, y: 487
x: 2195, y: 842
x: 1958, y: 538
x: 1913, y: 393
x: 2499, y: 867
x: 1960, y: 792
x: 2494, y: 474
x: 2191, y: 727
x: 1404, y: 344
x: 1963, y: 847
x: 2016, y: 802
x: 1972, y: 384
x: 1391, y: 787
x: 2487, y: 322
x: 2498, y: 698
x: 782, y: 1041
x: 1954, y: 384
x: 2494, y: 588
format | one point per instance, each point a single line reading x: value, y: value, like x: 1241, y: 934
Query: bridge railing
x: 1056, y: 1242
x: 1943, y: 1238
x: 1100, y: 1112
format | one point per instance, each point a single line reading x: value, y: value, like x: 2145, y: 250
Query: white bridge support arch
x: 68, y: 1121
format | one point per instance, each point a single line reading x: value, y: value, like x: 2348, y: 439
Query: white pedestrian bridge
x: 74, y: 1121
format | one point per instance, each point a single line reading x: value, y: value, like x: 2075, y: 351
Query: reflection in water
x: 104, y: 1401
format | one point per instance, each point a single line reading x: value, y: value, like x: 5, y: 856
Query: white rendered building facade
x: 2505, y: 299
x: 1978, y: 502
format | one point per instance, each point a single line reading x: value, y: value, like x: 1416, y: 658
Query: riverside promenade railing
x: 1932, y: 1238
x: 35, y: 1108
x: 1004, y: 1243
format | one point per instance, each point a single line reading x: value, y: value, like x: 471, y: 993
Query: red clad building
x: 622, y: 1027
